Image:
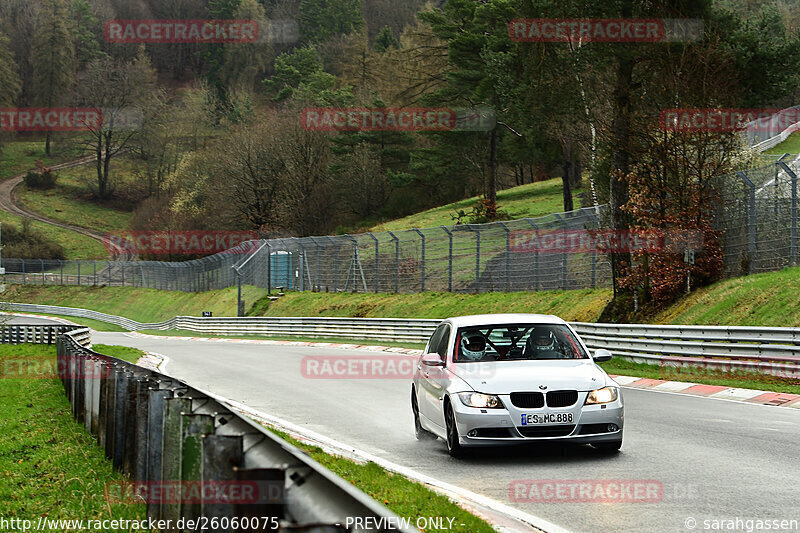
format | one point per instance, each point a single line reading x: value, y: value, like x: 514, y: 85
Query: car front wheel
x: 420, y: 432
x: 454, y: 448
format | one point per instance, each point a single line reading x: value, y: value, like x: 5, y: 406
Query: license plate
x: 548, y: 418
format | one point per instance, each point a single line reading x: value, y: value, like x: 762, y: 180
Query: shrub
x: 41, y: 178
x: 26, y: 243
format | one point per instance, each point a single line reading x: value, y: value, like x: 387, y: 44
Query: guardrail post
x: 535, y: 255
x: 221, y: 454
x: 422, y: 236
x: 194, y: 427
x: 123, y: 381
x: 171, y: 451
x: 155, y: 440
x: 449, y: 258
x: 752, y: 220
x: 396, y: 261
x: 377, y: 268
x: 793, y: 235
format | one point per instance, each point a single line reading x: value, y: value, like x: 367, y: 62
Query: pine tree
x: 322, y: 19
x: 53, y: 57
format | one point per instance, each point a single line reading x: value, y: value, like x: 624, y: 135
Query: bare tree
x: 120, y: 90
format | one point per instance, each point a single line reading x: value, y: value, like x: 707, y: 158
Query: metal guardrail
x: 162, y: 432
x: 33, y: 333
x: 768, y: 350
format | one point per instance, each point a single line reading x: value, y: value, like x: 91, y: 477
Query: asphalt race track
x: 714, y: 459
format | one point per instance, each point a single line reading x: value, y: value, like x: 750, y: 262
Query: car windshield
x: 514, y: 342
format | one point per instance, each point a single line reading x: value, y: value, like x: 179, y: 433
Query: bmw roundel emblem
x: 543, y: 387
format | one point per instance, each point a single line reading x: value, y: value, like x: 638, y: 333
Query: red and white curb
x: 780, y: 399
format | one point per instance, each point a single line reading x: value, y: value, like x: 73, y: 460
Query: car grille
x: 527, y: 400
x: 546, y: 431
x: 562, y: 398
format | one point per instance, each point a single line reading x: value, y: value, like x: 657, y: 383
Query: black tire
x: 454, y: 448
x: 420, y: 432
x: 609, y: 447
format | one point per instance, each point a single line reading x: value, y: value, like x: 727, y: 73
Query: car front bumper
x: 483, y: 427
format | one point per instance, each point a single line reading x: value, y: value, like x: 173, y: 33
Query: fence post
x: 94, y: 265
x: 396, y: 262
x: 269, y: 268
x: 449, y: 259
x: 477, y: 253
x: 377, y: 271
x: 535, y: 256
x: 62, y: 270
x: 508, y: 255
x: 793, y: 236
x: 563, y: 255
x: 422, y: 236
x: 24, y: 280
x: 335, y: 262
x: 752, y: 220
x: 42, y: 264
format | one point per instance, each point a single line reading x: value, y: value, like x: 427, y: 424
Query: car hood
x: 505, y: 377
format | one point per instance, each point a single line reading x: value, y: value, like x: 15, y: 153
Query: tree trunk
x: 566, y: 175
x: 620, y: 147
x: 491, y: 188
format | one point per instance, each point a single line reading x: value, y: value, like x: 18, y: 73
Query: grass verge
x: 125, y: 353
x: 576, y: 306
x: 142, y: 305
x: 406, y: 498
x: 768, y: 299
x: 531, y: 200
x: 49, y: 466
x: 76, y: 246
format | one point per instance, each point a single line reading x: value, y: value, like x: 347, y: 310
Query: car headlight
x: 604, y: 395
x: 483, y: 401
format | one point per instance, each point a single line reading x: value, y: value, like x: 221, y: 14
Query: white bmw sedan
x: 489, y: 380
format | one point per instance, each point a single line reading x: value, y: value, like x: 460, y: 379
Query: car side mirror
x: 602, y: 355
x: 432, y: 359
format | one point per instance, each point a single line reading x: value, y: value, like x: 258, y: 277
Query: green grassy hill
x: 532, y: 200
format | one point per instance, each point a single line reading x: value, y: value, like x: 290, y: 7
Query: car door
x: 433, y: 379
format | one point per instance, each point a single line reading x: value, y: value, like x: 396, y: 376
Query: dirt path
x: 9, y: 202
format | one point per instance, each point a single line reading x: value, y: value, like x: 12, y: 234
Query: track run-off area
x: 710, y: 460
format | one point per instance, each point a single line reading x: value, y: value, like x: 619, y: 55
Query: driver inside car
x: 542, y: 345
x: 473, y: 346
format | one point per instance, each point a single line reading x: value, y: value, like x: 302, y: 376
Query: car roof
x: 503, y: 318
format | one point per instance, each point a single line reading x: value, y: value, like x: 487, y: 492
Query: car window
x: 433, y: 344
x: 508, y: 342
x: 443, y: 342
